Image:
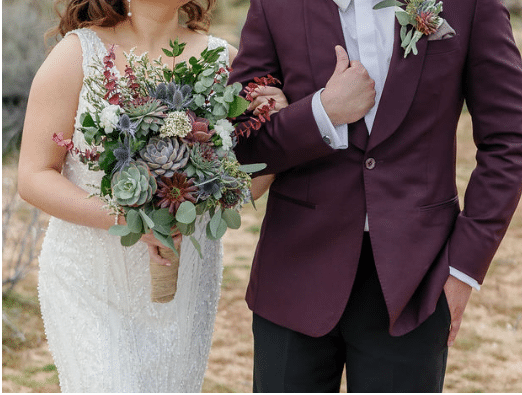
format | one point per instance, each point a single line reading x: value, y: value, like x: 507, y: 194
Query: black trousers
x: 288, y: 361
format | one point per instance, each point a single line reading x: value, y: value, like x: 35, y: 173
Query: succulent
x: 200, y: 132
x: 134, y: 185
x: 165, y: 156
x: 203, y: 161
x: 175, y: 190
x: 231, y: 198
x: 148, y: 116
x: 175, y: 97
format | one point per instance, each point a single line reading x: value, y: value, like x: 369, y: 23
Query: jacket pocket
x: 440, y: 205
x: 292, y: 200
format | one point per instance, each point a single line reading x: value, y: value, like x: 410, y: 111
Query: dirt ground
x: 487, y: 356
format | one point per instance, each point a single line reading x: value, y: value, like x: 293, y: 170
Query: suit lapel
x: 399, y: 89
x: 323, y: 32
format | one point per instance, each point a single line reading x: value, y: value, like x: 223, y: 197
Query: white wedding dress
x: 103, y: 330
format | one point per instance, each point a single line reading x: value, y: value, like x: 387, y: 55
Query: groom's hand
x: 457, y: 294
x: 350, y: 92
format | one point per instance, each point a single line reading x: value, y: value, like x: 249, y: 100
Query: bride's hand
x: 263, y: 94
x: 154, y: 244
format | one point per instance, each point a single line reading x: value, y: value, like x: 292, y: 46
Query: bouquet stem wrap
x: 164, y: 279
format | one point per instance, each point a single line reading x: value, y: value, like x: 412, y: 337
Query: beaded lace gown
x: 103, y: 330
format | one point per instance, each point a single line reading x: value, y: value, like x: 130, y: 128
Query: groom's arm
x: 292, y: 137
x: 493, y: 92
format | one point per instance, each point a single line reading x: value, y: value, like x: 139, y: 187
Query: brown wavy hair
x: 77, y: 14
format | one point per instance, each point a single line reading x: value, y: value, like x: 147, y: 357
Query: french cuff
x: 335, y: 136
x: 464, y: 278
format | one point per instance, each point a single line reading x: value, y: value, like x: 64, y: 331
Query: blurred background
x: 486, y: 358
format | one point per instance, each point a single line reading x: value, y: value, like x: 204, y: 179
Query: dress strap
x: 92, y: 47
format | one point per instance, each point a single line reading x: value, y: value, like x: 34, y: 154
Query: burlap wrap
x: 164, y: 279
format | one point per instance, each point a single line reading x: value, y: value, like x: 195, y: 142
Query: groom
x: 365, y: 259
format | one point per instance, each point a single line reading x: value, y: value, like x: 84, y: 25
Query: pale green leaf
x: 186, y: 213
x: 119, y: 230
x: 130, y: 239
x: 252, y: 168
x: 134, y: 221
x: 387, y: 3
x: 232, y: 218
x: 238, y: 107
x: 196, y: 245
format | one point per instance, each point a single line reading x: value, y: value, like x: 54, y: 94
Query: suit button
x: 370, y: 163
x: 327, y: 140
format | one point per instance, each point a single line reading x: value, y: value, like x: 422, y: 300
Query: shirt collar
x: 342, y: 4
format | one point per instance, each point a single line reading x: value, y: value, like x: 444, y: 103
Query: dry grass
x: 487, y: 356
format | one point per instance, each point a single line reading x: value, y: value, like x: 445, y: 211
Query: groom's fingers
x: 343, y: 61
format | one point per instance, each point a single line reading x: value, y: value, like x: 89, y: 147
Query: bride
x: 104, y: 332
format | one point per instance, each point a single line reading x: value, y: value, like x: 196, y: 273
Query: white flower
x: 177, y: 124
x: 109, y: 117
x: 224, y: 128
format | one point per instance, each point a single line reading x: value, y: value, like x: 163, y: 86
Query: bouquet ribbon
x: 164, y: 279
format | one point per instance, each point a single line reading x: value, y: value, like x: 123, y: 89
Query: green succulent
x: 149, y: 116
x: 134, y: 185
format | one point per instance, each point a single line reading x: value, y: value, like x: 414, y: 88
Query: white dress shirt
x: 369, y: 37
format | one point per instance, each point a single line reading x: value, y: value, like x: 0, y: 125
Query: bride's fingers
x: 156, y: 257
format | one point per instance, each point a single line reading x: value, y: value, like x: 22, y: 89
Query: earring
x: 129, y: 13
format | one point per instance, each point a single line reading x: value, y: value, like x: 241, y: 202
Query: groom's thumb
x: 343, y: 61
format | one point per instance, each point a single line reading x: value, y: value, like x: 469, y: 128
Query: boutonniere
x: 422, y: 15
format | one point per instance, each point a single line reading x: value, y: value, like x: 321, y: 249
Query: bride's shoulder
x: 216, y: 42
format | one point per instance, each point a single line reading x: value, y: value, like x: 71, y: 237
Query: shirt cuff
x: 464, y: 278
x: 335, y: 136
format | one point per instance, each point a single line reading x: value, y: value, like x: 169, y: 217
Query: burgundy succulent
x: 200, y: 132
x: 175, y: 190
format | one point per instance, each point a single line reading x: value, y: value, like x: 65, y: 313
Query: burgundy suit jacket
x: 402, y: 175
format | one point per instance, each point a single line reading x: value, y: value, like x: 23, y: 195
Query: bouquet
x: 163, y: 139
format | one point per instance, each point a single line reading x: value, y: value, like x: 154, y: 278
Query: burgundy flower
x: 176, y: 190
x: 426, y: 22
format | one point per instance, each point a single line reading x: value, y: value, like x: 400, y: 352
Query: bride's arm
x: 261, y: 184
x: 51, y: 108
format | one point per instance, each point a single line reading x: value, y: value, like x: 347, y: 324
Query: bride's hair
x: 108, y: 13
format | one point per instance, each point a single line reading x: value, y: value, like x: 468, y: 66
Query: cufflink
x: 327, y: 140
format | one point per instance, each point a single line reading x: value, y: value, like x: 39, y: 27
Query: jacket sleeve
x: 291, y: 137
x: 493, y: 92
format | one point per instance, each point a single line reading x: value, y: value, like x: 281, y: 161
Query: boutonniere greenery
x: 422, y: 15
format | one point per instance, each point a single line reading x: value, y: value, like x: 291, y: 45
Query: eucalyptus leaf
x: 388, y: 3
x: 196, y: 245
x: 146, y: 219
x: 252, y: 168
x: 238, y: 107
x: 134, y: 221
x: 232, y: 218
x: 407, y: 39
x: 163, y: 217
x: 119, y: 230
x: 186, y: 229
x: 166, y: 240
x: 404, y: 31
x: 130, y: 239
x: 403, y: 17
x: 186, y: 213
x: 220, y: 231
x: 214, y: 222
